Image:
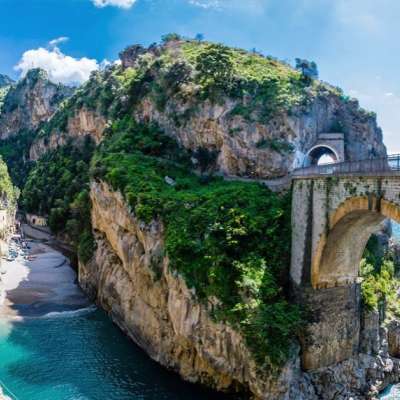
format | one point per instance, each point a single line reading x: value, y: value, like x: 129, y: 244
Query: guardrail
x: 387, y: 165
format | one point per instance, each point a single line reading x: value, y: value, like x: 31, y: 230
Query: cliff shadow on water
x: 55, y: 345
x: 85, y: 356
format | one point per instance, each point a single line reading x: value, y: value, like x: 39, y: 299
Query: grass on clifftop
x: 229, y: 240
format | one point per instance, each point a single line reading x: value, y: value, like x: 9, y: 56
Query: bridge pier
x: 332, y: 334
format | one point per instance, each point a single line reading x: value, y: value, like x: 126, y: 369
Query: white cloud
x: 116, y: 3
x: 57, y: 41
x: 60, y: 67
x: 206, y: 3
x: 248, y: 6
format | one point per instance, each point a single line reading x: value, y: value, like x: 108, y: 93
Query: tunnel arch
x: 318, y: 151
x: 339, y: 251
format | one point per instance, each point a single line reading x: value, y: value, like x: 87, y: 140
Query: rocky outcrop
x: 129, y: 57
x: 270, y: 149
x: 235, y: 130
x: 83, y: 123
x: 393, y: 335
x: 33, y: 100
x: 5, y: 81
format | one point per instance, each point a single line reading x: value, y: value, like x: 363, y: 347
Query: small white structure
x: 37, y: 220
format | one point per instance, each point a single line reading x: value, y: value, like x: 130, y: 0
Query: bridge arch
x: 339, y: 252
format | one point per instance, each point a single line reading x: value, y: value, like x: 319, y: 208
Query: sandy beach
x: 36, y: 287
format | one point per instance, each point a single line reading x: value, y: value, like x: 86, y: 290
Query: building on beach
x: 36, y: 220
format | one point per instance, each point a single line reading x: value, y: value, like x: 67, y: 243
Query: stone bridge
x: 335, y: 210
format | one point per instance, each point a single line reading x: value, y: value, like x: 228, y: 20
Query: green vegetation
x: 3, y: 94
x: 279, y: 145
x: 8, y: 192
x: 15, y: 152
x: 229, y: 240
x: 380, y: 285
x: 58, y: 186
x: 272, y: 86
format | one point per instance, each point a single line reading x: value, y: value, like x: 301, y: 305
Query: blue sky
x: 354, y: 42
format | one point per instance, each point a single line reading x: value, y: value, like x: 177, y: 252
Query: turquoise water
x: 83, y: 356
x: 396, y: 231
x: 391, y: 393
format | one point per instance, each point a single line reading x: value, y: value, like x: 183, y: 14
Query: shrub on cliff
x: 380, y: 286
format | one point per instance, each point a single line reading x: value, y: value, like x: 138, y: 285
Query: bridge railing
x: 388, y: 164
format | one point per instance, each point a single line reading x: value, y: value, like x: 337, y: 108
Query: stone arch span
x: 339, y: 252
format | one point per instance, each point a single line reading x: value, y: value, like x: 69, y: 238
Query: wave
x: 70, y: 313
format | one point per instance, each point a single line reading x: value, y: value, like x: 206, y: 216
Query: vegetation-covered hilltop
x: 161, y: 128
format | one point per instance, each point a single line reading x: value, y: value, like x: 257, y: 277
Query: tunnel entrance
x: 320, y: 155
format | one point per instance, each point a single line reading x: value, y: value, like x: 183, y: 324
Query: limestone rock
x: 83, y: 123
x: 393, y: 334
x: 237, y: 141
x: 130, y: 55
x: 5, y: 81
x: 32, y: 101
x: 130, y: 278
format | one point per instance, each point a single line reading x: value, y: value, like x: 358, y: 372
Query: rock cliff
x: 83, y: 123
x: 247, y: 148
x: 31, y: 101
x: 5, y: 81
x: 5, y: 85
x: 130, y: 277
x: 254, y: 126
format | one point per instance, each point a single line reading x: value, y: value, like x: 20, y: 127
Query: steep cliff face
x: 32, y: 101
x: 239, y: 143
x: 5, y: 85
x: 82, y: 123
x: 259, y: 120
x: 131, y: 279
x: 5, y: 81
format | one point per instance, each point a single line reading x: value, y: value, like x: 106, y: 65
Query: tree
x: 308, y: 69
x: 215, y: 67
x: 170, y: 37
x: 199, y: 37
